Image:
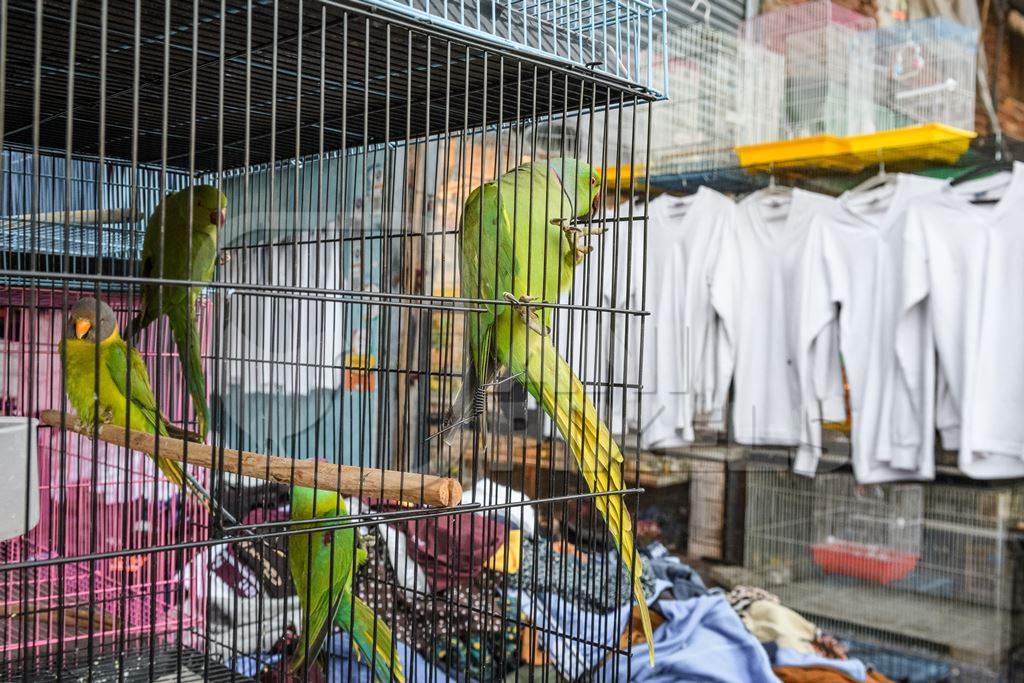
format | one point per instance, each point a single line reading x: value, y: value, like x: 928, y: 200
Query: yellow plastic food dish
x: 827, y: 151
x: 929, y: 142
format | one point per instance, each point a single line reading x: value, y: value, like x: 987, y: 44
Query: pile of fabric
x: 485, y: 597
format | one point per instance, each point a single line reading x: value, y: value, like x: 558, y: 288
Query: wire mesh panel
x: 876, y: 564
x: 723, y: 92
x: 926, y: 73
x: 829, y: 51
x: 619, y: 38
x: 285, y: 284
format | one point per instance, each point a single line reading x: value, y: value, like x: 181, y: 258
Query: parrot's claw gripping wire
x: 224, y: 258
x: 521, y: 306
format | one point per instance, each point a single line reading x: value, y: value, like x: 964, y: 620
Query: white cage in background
x: 722, y: 92
x: 922, y: 570
x: 829, y: 53
x: 926, y: 73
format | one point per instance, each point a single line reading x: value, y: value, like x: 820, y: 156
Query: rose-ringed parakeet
x: 184, y: 229
x: 323, y: 564
x: 519, y: 246
x: 122, y: 378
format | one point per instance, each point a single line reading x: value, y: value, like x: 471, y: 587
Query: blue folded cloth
x: 702, y: 640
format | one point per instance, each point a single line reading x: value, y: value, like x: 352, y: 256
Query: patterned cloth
x: 596, y: 583
x: 466, y: 627
x: 484, y: 656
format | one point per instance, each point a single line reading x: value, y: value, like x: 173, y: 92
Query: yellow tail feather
x: 561, y: 394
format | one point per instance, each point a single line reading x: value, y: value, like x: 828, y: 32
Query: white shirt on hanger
x: 963, y: 288
x: 683, y: 246
x: 753, y: 293
x: 852, y: 274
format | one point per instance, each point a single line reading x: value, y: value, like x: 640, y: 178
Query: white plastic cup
x: 18, y: 444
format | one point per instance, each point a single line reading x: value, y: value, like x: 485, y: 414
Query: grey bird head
x: 82, y: 322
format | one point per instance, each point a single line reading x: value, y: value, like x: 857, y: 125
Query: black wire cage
x: 347, y: 138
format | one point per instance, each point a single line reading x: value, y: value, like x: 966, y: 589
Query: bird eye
x: 594, y: 181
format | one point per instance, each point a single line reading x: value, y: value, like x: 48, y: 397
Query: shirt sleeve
x: 913, y: 404
x: 817, y: 348
x: 724, y: 278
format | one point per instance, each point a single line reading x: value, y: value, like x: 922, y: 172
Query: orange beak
x: 82, y: 327
x: 219, y: 217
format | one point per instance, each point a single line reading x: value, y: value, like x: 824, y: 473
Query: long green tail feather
x: 186, y: 337
x: 364, y: 622
x: 552, y: 382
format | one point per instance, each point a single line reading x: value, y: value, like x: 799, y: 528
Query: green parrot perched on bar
x: 323, y: 565
x: 193, y: 216
x: 520, y: 245
x: 120, y: 372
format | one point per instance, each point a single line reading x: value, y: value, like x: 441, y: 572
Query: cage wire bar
x: 347, y: 138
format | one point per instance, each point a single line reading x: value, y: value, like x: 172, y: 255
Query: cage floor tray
x: 868, y: 562
x: 825, y: 151
x: 929, y: 142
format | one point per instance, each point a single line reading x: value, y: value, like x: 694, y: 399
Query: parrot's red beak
x: 218, y: 218
x: 82, y: 328
x: 596, y: 204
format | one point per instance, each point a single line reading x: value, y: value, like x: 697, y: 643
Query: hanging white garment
x: 753, y: 292
x: 851, y: 273
x: 963, y: 290
x: 678, y: 375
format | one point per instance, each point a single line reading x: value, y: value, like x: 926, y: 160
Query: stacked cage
x: 829, y: 56
x: 93, y: 499
x: 926, y: 74
x: 350, y: 144
x: 722, y: 92
x: 876, y: 564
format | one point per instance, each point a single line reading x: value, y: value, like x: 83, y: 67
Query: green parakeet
x: 84, y: 337
x: 193, y: 214
x: 323, y: 564
x: 519, y: 245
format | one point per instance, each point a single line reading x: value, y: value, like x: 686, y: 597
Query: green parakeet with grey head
x: 181, y: 244
x: 118, y: 391
x: 323, y: 564
x: 520, y: 243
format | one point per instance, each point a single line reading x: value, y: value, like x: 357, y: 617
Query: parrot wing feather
x: 142, y: 399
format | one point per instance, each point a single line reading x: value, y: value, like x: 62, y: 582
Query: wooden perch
x: 420, y: 489
x: 84, y: 216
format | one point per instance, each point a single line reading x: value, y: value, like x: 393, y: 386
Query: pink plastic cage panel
x: 774, y: 29
x: 94, y: 499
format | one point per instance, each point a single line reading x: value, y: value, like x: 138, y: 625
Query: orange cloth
x: 529, y: 650
x: 821, y: 674
x: 634, y: 631
x: 567, y: 548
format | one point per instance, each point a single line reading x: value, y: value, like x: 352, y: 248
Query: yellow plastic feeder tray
x: 820, y: 151
x: 621, y: 176
x: 929, y: 142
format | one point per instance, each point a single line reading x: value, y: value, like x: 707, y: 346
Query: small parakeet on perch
x: 85, y: 336
x: 519, y: 245
x: 323, y: 565
x: 191, y: 215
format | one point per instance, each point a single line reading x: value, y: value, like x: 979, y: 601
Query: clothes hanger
x: 1002, y: 161
x: 880, y: 179
x: 776, y: 195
